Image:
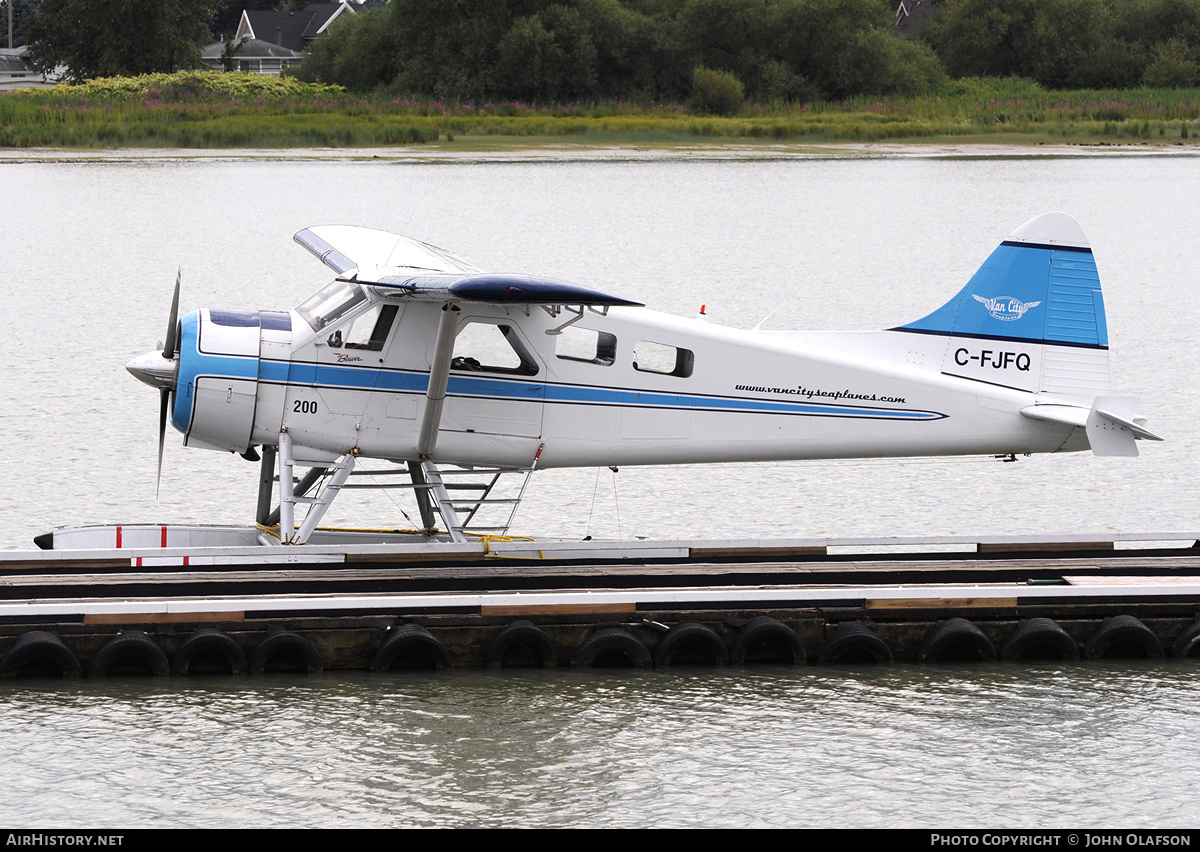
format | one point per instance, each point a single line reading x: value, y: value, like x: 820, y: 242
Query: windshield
x: 329, y: 303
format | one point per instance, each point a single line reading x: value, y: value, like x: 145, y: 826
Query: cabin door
x: 497, y: 385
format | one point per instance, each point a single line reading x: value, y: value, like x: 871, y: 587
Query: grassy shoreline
x: 209, y: 110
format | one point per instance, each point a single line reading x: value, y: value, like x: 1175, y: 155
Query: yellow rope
x: 486, y: 541
x: 272, y: 531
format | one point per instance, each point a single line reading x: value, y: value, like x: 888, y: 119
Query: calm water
x: 89, y: 256
x: 1111, y: 745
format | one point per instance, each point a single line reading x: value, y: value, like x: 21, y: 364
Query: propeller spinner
x: 160, y: 369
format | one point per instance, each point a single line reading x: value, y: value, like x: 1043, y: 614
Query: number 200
x: 304, y: 406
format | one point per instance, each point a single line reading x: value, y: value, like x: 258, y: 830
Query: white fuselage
x: 630, y: 387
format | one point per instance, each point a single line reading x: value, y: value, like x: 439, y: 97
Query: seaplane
x: 414, y: 356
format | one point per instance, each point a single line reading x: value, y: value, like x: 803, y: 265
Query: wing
x: 344, y: 248
x: 396, y: 265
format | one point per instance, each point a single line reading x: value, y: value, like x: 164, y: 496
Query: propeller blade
x: 164, y: 405
x: 169, y: 345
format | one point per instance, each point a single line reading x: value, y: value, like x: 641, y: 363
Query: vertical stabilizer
x: 1032, y: 317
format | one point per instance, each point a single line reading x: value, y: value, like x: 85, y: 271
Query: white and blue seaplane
x: 415, y: 356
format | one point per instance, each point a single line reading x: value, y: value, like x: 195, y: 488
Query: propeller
x: 161, y: 370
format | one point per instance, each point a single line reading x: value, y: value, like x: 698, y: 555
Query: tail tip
x: 1051, y: 229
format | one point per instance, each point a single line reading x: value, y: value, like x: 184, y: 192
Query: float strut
x: 300, y: 489
x: 421, y: 492
x: 266, y: 486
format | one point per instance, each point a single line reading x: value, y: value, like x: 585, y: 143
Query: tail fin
x: 1032, y: 317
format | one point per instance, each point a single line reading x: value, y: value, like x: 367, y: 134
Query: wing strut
x: 439, y: 377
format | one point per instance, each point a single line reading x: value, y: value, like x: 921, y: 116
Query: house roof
x: 253, y: 49
x: 15, y: 61
x: 293, y: 30
x: 911, y: 15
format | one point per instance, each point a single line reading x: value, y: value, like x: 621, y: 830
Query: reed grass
x: 215, y: 110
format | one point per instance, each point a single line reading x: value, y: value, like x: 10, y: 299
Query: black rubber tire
x: 1187, y: 643
x: 766, y: 632
x: 40, y: 646
x: 1040, y: 633
x: 691, y: 636
x: 522, y: 634
x: 209, y: 641
x: 958, y: 637
x: 285, y: 642
x: 132, y: 644
x: 409, y: 642
x: 857, y: 641
x: 1119, y: 635
x: 608, y: 642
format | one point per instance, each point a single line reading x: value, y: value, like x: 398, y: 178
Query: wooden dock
x: 389, y: 606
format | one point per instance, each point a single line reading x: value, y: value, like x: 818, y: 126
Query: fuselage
x: 349, y: 371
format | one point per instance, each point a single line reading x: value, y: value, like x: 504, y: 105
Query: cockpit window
x: 368, y: 330
x: 330, y: 302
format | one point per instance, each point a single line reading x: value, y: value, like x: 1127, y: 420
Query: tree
x: 109, y: 38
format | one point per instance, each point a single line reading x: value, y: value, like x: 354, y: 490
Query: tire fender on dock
x: 208, y: 641
x: 1039, y: 635
x: 39, y: 646
x: 410, y: 643
x: 773, y: 639
x: 522, y: 635
x: 608, y: 643
x: 286, y: 643
x: 956, y: 639
x: 1125, y: 636
x: 130, y: 645
x: 854, y: 642
x: 1188, y: 642
x: 691, y: 636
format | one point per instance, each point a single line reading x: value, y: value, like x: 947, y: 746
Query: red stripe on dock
x: 164, y: 537
x: 118, y: 535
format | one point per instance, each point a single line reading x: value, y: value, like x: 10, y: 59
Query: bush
x: 716, y: 92
x: 1172, y: 68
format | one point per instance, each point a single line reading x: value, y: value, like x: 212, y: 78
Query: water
x: 1002, y: 746
x: 89, y: 255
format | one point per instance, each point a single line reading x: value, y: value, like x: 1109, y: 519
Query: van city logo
x: 1006, y: 308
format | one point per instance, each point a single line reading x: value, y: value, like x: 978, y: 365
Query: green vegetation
x: 486, y: 72
x: 218, y: 110
x: 1071, y: 44
x: 716, y: 92
x: 561, y: 51
x: 89, y: 39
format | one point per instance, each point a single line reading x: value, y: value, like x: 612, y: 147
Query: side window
x: 583, y: 344
x: 484, y: 347
x: 651, y: 357
x: 368, y: 330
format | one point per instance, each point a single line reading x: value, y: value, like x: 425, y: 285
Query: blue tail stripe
x: 1034, y: 293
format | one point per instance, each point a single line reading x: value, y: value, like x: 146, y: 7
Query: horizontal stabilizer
x: 1111, y: 423
x: 1138, y: 430
x: 1072, y: 415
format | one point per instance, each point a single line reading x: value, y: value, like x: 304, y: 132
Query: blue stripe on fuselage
x: 371, y: 379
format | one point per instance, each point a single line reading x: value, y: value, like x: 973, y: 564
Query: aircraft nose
x: 155, y: 369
